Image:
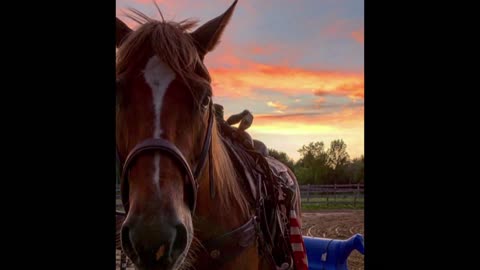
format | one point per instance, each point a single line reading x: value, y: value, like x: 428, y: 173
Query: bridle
x: 166, y: 147
x: 232, y: 242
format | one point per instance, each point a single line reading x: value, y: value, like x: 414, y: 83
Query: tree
x: 304, y: 175
x: 317, y: 166
x: 337, y: 154
x: 314, y: 148
x: 313, y: 163
x: 282, y: 157
x: 337, y: 160
x: 355, y: 170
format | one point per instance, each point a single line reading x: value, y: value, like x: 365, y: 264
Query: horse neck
x: 228, y: 209
x: 226, y: 212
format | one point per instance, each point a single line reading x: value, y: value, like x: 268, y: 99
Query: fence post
x: 308, y: 193
x: 328, y: 194
x: 356, y: 195
x: 335, y: 192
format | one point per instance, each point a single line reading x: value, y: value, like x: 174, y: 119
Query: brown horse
x: 179, y: 185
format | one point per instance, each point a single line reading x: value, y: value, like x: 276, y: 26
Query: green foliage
x: 319, y: 166
x: 282, y: 156
x: 304, y: 175
x: 355, y: 169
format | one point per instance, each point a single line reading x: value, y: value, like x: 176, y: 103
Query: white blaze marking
x: 158, y: 76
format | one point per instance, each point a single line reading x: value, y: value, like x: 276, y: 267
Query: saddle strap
x: 228, y: 246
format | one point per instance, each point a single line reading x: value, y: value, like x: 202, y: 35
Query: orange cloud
x: 288, y: 132
x: 309, y: 122
x: 241, y: 82
x: 277, y: 105
x: 354, y: 90
x: 319, y: 100
x: 262, y: 50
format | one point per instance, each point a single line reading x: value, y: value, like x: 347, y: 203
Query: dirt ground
x: 336, y: 224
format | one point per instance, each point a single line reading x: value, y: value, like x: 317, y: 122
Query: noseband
x: 166, y: 147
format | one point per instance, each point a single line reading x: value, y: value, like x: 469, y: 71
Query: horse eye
x: 206, y: 102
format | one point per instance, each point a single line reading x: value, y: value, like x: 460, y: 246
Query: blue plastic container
x: 331, y: 254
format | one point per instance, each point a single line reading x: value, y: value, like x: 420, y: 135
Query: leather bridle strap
x: 207, y: 142
x: 164, y: 146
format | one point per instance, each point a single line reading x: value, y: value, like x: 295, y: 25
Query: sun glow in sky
x: 298, y: 66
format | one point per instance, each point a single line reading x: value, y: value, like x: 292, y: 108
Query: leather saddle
x: 269, y: 187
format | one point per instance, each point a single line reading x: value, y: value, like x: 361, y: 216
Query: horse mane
x: 226, y: 179
x: 171, y: 42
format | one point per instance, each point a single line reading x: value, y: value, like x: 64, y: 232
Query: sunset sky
x: 297, y: 65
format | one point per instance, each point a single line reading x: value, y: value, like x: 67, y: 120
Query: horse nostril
x: 154, y: 246
x: 126, y: 242
x: 180, y: 240
x: 160, y: 253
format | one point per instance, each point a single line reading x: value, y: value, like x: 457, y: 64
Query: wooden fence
x: 350, y: 194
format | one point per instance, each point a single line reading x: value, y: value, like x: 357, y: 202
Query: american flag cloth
x: 280, y: 171
x: 298, y: 246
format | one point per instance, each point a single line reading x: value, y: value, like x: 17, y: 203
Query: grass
x: 341, y: 202
x: 319, y: 204
x: 331, y: 206
x: 331, y: 200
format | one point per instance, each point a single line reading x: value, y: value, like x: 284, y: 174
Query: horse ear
x: 207, y: 36
x: 121, y: 32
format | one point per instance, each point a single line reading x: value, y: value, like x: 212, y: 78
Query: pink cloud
x: 359, y: 36
x: 345, y: 29
x: 336, y: 28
